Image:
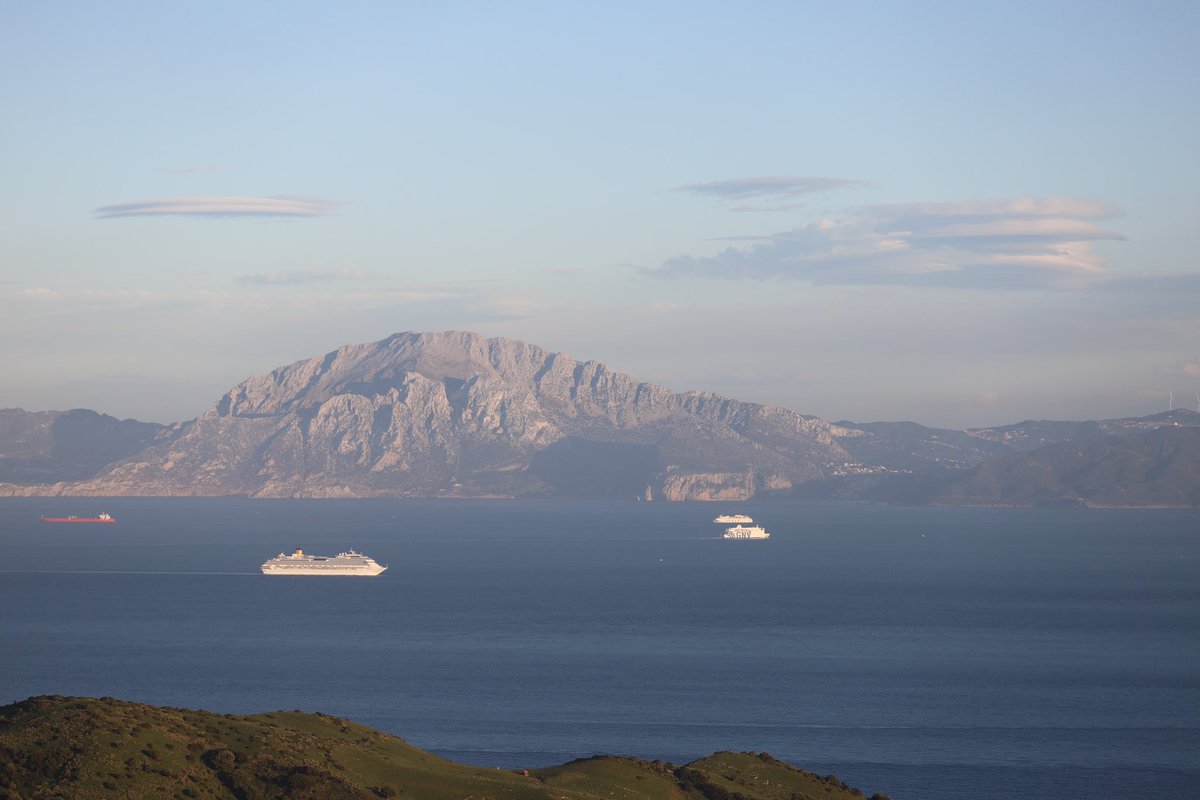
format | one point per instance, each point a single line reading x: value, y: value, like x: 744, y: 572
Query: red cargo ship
x: 102, y: 518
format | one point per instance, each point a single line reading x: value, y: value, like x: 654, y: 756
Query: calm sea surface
x: 926, y: 653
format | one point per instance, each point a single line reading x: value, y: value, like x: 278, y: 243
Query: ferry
x: 300, y: 563
x: 744, y: 532
x: 728, y: 518
x: 101, y: 518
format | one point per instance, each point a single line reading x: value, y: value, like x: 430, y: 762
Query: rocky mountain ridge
x: 455, y: 414
x: 458, y: 415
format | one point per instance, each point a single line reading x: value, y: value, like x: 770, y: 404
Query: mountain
x: 908, y: 446
x: 53, y: 446
x: 455, y: 414
x: 1132, y: 461
x: 1031, y: 435
x: 1154, y: 467
x: 78, y: 748
x: 897, y: 462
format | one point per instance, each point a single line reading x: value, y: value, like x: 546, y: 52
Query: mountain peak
x: 457, y: 413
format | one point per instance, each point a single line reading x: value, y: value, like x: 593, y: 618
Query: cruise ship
x: 728, y: 518
x: 744, y: 532
x: 300, y: 563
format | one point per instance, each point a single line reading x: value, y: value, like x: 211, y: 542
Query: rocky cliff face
x: 424, y: 414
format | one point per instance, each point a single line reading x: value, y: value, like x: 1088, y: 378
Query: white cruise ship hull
x: 299, y: 569
x: 350, y: 563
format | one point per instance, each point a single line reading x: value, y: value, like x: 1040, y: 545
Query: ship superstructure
x: 301, y: 563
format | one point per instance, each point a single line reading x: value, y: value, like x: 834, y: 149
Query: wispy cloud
x: 1189, y: 368
x: 351, y: 299
x: 191, y: 169
x: 301, y: 277
x: 773, y: 187
x: 495, y: 307
x: 219, y: 206
x: 1021, y: 243
x: 46, y: 302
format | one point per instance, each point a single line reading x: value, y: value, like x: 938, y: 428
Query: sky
x: 961, y: 214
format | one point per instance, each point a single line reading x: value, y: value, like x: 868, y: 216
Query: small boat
x: 101, y: 518
x: 728, y: 518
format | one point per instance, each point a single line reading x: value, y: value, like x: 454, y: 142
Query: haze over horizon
x: 959, y: 215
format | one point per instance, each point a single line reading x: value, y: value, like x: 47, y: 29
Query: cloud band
x: 770, y: 186
x: 1018, y: 243
x: 218, y: 206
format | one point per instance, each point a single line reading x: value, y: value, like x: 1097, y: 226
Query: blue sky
x: 957, y: 213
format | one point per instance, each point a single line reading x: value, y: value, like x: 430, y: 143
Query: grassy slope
x: 70, y: 747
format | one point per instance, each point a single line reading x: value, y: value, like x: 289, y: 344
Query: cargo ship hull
x: 103, y: 519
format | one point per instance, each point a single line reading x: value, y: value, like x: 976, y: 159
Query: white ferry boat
x: 728, y: 518
x: 744, y: 532
x: 300, y: 563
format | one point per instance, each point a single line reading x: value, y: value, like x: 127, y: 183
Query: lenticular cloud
x: 770, y: 186
x: 218, y: 206
x: 1021, y: 243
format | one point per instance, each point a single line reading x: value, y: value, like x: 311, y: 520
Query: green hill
x: 77, y: 747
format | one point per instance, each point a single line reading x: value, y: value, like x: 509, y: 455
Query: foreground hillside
x: 72, y: 747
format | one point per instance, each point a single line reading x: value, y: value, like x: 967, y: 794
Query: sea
x: 925, y: 653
